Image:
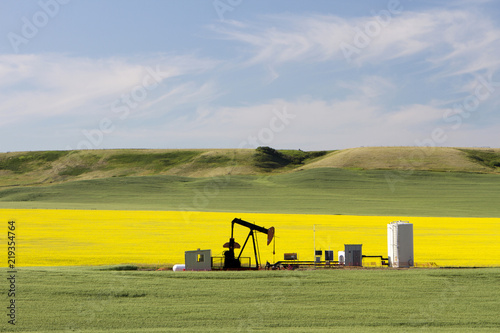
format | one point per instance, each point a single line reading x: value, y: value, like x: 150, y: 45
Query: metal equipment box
x: 317, y: 256
x: 199, y: 260
x: 353, y: 255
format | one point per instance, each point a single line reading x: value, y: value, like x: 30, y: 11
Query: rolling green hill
x: 44, y: 167
x: 414, y: 158
x: 361, y: 181
x: 35, y: 168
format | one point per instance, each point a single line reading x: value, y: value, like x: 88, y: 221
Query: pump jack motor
x: 232, y: 262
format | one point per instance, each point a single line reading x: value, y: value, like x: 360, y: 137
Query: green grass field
x: 339, y: 300
x: 315, y: 191
x: 410, y: 181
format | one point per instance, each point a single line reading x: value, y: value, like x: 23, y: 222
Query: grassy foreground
x: 364, y: 300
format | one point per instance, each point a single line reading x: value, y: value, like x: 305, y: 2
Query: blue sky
x: 308, y: 75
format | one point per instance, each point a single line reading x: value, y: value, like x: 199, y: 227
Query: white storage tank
x: 341, y: 257
x: 400, y: 244
x: 179, y: 267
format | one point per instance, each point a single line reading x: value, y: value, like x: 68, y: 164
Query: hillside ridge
x: 47, y: 167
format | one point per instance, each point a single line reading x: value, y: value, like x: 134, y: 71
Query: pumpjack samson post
x: 233, y: 262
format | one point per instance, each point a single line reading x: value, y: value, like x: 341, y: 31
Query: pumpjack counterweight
x: 233, y: 262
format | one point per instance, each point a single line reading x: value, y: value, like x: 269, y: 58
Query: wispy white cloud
x: 49, y: 85
x: 189, y: 93
x: 370, y: 86
x: 396, y: 90
x: 288, y: 38
x: 459, y: 41
x: 413, y: 116
x: 312, y: 124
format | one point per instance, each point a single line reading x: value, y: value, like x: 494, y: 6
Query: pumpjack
x: 232, y: 262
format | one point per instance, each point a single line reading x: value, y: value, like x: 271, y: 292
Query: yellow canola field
x: 91, y: 237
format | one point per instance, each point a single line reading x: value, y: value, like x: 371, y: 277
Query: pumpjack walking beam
x: 230, y: 260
